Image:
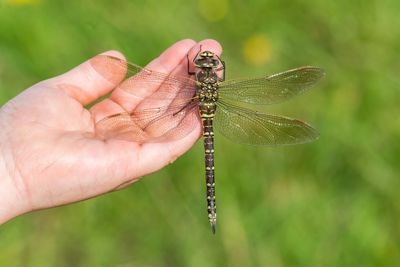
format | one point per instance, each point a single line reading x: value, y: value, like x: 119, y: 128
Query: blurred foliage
x: 334, y: 202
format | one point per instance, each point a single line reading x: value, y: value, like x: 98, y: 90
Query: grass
x: 330, y: 203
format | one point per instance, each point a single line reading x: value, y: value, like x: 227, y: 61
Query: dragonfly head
x: 207, y: 60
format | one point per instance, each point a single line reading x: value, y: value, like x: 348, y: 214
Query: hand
x: 49, y: 154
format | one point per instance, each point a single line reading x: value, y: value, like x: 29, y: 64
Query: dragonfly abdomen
x: 207, y: 111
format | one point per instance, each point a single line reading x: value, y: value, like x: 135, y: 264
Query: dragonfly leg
x: 188, y: 66
x: 187, y: 57
x: 185, y: 106
x: 223, y: 68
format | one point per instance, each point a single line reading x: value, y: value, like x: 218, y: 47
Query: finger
x: 154, y: 118
x: 169, y: 118
x: 133, y: 90
x: 90, y: 80
x: 176, y: 90
x: 131, y: 94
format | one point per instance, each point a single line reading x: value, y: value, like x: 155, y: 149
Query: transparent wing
x: 151, y: 125
x: 149, y: 84
x: 254, y: 128
x: 271, y: 89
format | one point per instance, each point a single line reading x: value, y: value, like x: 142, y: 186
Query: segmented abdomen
x: 207, y: 111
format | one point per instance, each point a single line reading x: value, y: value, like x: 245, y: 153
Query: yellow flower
x: 21, y: 2
x: 257, y: 49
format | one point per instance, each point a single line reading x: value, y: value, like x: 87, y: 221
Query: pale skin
x: 49, y: 153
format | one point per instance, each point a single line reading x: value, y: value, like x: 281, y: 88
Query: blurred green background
x: 334, y: 202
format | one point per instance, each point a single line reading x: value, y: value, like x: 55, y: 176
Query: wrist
x: 10, y: 199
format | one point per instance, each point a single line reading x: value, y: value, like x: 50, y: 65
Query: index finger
x: 123, y: 100
x: 129, y: 95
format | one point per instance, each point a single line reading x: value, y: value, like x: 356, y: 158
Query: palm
x: 56, y: 156
x: 51, y: 148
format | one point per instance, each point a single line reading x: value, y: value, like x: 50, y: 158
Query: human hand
x: 49, y: 153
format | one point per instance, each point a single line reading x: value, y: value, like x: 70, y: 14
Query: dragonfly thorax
x: 207, y: 85
x: 207, y: 76
x: 208, y: 92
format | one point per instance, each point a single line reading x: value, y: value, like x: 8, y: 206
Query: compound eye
x: 197, y: 62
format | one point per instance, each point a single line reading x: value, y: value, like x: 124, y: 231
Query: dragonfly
x: 176, y: 104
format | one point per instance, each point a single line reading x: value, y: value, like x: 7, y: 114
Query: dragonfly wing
x: 148, y: 84
x: 271, y: 89
x: 151, y: 125
x: 255, y: 128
